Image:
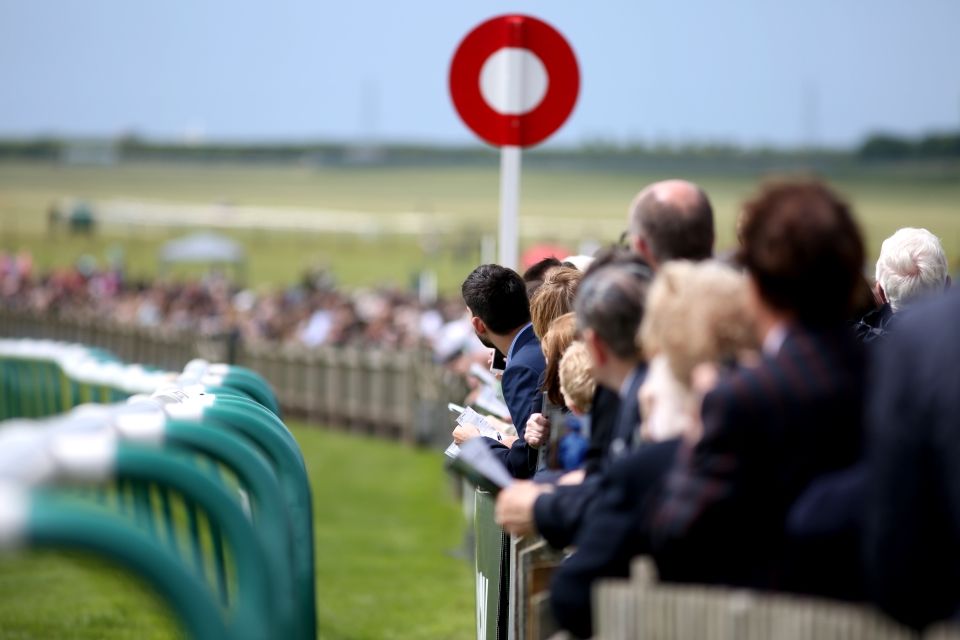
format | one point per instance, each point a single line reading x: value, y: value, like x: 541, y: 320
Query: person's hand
x: 465, y: 432
x: 514, y: 511
x: 496, y: 374
x: 572, y: 477
x: 537, y: 431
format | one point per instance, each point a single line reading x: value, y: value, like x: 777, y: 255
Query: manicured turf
x: 565, y: 205
x: 385, y: 524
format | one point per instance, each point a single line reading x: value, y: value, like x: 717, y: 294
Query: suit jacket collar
x: 523, y: 337
x: 632, y: 383
x: 628, y: 418
x: 776, y: 336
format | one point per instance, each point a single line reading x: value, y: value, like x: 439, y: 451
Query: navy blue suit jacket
x: 768, y: 431
x: 912, y: 518
x: 603, y: 419
x: 628, y: 417
x: 521, y: 382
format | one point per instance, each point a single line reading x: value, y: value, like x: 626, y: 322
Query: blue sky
x: 743, y: 71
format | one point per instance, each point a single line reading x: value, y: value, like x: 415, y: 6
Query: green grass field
x: 385, y: 524
x: 558, y: 205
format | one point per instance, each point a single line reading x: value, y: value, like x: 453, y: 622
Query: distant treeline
x: 878, y: 147
x: 936, y: 146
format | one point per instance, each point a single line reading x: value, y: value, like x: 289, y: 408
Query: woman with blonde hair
x: 697, y: 314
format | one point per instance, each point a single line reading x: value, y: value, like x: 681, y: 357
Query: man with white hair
x: 912, y: 265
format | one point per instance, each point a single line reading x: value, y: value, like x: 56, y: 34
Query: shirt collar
x: 628, y: 382
x: 513, y: 343
x: 774, y: 339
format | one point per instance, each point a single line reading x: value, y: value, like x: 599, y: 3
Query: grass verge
x: 385, y: 525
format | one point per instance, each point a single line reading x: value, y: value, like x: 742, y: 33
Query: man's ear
x: 478, y: 326
x: 642, y: 248
x: 880, y: 294
x: 639, y: 244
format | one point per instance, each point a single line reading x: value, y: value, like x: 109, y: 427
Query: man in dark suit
x: 912, y: 519
x: 497, y: 299
x: 614, y: 531
x: 609, y: 308
x: 770, y: 429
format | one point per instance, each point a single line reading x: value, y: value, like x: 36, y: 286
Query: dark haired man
x: 769, y: 430
x: 497, y: 300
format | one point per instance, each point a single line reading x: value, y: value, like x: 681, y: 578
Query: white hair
x: 911, y: 264
x: 581, y: 261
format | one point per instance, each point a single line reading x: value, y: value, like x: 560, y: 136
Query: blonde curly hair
x: 696, y: 312
x: 577, y: 384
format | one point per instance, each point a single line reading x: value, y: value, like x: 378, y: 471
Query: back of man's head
x: 912, y: 263
x: 675, y: 221
x: 803, y: 250
x: 498, y: 296
x: 539, y: 270
x: 610, y: 302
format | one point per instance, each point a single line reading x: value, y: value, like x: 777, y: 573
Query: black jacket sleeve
x: 558, y: 515
x: 614, y: 531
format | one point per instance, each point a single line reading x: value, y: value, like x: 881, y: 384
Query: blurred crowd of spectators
x: 312, y: 313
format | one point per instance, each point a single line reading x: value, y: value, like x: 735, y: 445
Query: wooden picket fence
x: 642, y: 607
x: 394, y: 394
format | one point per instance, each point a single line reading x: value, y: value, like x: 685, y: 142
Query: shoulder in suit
x: 614, y: 531
x: 768, y: 431
x: 912, y: 521
x: 521, y: 382
x: 603, y: 420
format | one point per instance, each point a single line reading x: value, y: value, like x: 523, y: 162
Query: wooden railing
x: 395, y: 394
x: 642, y: 607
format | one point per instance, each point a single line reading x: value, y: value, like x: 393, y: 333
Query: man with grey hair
x: 671, y: 220
x: 912, y: 265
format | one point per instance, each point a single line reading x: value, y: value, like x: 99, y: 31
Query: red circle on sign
x: 563, y: 80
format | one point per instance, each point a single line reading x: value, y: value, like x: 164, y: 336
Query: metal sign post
x: 514, y: 81
x: 508, y: 243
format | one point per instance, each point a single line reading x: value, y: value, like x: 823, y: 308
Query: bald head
x: 671, y: 220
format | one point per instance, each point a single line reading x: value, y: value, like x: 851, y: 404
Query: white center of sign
x: 513, y: 81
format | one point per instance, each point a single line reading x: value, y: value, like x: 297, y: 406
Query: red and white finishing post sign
x: 514, y: 81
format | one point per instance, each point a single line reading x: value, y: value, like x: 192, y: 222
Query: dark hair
x: 498, y: 297
x: 864, y: 300
x: 610, y: 301
x: 532, y: 287
x: 539, y: 270
x: 803, y: 249
x: 676, y: 231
